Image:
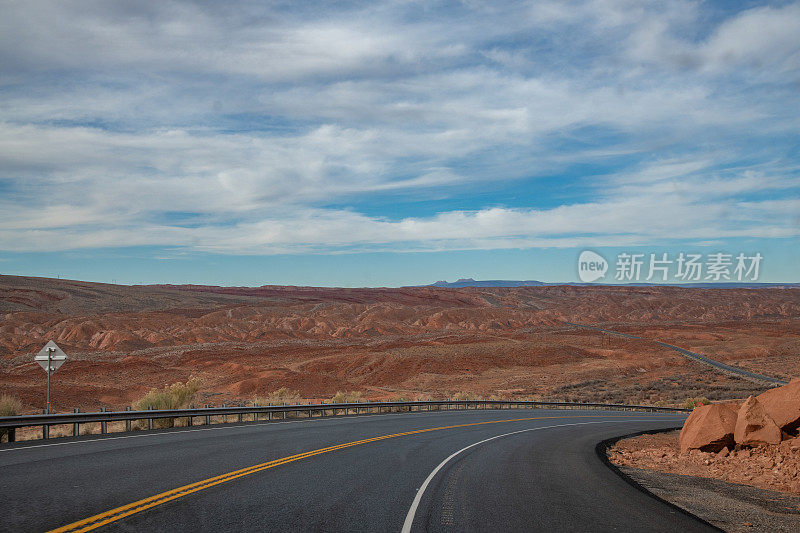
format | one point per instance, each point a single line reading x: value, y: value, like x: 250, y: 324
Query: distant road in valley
x: 722, y: 367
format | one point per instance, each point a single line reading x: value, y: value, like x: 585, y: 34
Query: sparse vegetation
x: 278, y: 397
x: 496, y: 397
x: 691, y: 403
x: 176, y: 396
x: 400, y: 399
x: 469, y: 396
x: 347, y: 397
x: 9, y: 406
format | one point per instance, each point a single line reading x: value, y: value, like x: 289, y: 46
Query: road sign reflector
x: 52, y: 352
x: 55, y: 361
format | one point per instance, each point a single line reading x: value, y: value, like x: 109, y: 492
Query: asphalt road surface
x: 495, y: 470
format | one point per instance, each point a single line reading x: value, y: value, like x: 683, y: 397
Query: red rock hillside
x: 387, y: 342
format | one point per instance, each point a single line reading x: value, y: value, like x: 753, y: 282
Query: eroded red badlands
x: 411, y: 342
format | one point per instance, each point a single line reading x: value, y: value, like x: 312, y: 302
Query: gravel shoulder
x: 729, y: 506
x: 746, y: 490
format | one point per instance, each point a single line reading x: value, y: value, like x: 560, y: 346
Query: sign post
x: 50, y: 358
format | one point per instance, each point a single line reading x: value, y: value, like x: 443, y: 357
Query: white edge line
x: 418, y: 498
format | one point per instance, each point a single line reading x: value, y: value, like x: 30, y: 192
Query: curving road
x: 509, y: 470
x: 722, y: 367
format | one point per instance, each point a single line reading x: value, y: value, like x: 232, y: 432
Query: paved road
x: 722, y: 367
x: 543, y: 475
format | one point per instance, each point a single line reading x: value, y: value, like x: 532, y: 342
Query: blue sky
x: 393, y: 143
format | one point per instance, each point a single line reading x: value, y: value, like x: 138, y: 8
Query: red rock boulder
x: 754, y: 426
x: 709, y: 428
x: 782, y: 404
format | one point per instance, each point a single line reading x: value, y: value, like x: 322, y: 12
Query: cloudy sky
x: 397, y: 142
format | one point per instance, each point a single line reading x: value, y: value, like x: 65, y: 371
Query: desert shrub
x: 400, y: 399
x: 175, y: 396
x: 533, y: 398
x: 691, y: 403
x: 9, y: 406
x: 278, y: 397
x: 466, y: 396
x: 347, y: 397
x: 498, y: 397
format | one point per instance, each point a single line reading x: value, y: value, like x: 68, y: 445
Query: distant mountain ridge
x: 469, y: 282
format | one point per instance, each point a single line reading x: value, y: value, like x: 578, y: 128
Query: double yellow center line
x: 118, y: 513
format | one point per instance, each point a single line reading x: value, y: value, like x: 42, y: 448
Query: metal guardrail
x: 11, y: 423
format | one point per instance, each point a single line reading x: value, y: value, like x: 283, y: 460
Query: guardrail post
x: 127, y: 422
x: 76, y: 430
x: 284, y: 412
x: 189, y: 418
x: 12, y: 434
x: 45, y: 428
x: 150, y: 420
x: 103, y: 424
x: 208, y: 417
x: 240, y: 417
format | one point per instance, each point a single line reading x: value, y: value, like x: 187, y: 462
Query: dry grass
x: 348, y: 397
x: 175, y: 396
x: 9, y: 406
x: 691, y: 403
x: 468, y: 396
x: 278, y: 397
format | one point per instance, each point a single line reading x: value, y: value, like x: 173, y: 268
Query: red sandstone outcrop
x: 782, y: 404
x: 764, y: 456
x: 709, y: 428
x: 754, y: 426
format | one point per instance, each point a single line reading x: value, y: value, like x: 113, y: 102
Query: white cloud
x: 762, y: 37
x: 234, y: 130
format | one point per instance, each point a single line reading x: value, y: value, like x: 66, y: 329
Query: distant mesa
x: 469, y: 282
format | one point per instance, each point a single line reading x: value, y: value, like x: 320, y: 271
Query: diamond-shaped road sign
x: 57, y: 356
